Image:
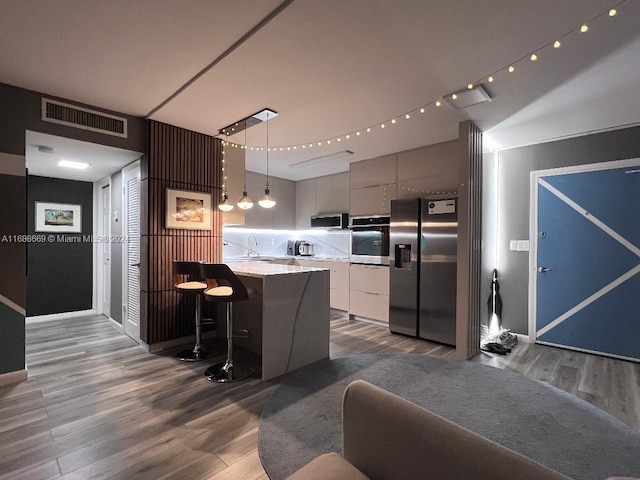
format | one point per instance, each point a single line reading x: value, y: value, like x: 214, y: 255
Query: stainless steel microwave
x: 334, y: 221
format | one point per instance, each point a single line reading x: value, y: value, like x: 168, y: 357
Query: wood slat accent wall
x: 468, y: 303
x: 183, y: 160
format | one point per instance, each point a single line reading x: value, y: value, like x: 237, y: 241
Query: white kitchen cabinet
x: 369, y: 291
x: 332, y: 193
x: 373, y: 172
x: 282, y: 215
x: 372, y: 200
x: 234, y: 173
x: 305, y: 203
x: 428, y: 171
x: 339, y: 279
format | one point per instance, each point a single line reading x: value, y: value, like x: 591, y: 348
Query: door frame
x: 98, y: 261
x: 125, y: 256
x: 533, y: 227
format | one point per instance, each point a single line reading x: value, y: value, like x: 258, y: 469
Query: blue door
x: 588, y: 260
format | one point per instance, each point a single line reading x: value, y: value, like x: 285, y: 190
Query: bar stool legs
x: 198, y: 352
x: 228, y: 372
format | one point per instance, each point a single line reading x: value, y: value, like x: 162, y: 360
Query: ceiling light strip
x: 532, y: 56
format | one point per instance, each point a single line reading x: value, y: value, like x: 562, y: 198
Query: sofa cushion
x: 328, y: 466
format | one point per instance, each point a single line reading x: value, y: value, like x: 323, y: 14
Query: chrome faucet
x: 249, y: 250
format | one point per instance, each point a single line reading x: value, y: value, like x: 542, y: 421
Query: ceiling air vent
x: 78, y: 117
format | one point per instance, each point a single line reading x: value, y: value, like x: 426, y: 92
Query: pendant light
x: 245, y: 203
x: 224, y: 205
x: 267, y: 201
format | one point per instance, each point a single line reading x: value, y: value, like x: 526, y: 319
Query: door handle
x: 543, y: 269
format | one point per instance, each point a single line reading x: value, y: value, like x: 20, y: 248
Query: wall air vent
x: 79, y: 117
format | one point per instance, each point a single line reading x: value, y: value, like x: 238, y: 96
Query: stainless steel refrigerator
x: 423, y: 243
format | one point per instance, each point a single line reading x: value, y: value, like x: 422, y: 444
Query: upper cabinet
x: 234, y: 173
x: 282, y: 215
x: 305, y: 203
x: 332, y: 193
x: 372, y: 200
x: 373, y: 186
x: 428, y: 171
x: 370, y: 173
x: 328, y: 194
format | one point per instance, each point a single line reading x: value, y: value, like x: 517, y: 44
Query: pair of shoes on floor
x: 494, y: 347
x: 508, y: 339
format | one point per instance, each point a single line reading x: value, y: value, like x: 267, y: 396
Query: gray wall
x: 489, y: 228
x: 514, y: 167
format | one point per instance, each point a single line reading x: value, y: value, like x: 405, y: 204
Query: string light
x: 510, y: 68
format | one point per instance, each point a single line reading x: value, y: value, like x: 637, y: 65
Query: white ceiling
x: 334, y: 67
x: 102, y: 160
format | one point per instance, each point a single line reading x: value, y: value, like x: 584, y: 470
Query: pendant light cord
x: 267, y: 149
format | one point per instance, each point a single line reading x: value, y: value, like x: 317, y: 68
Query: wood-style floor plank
x: 96, y: 405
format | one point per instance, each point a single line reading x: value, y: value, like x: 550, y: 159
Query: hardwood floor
x: 96, y: 405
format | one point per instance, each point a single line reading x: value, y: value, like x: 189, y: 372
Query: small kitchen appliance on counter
x: 305, y: 249
x: 300, y: 247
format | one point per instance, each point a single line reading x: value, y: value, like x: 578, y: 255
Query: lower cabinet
x: 369, y: 292
x: 339, y: 280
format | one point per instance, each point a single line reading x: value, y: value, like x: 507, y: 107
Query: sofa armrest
x: 387, y: 437
x: 329, y: 466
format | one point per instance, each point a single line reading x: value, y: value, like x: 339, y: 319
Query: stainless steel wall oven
x: 370, y: 240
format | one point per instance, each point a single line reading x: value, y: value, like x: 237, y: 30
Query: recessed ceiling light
x: 45, y: 149
x: 467, y: 98
x: 71, y: 164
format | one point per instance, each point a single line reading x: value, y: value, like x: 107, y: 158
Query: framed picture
x: 58, y: 217
x: 190, y: 210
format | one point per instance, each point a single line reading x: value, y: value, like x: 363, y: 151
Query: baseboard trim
x: 116, y: 325
x: 60, y: 316
x: 11, y: 378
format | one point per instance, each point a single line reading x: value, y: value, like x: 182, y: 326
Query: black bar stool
x: 187, y: 281
x: 223, y: 286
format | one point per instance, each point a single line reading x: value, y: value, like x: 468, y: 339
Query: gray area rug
x: 302, y: 418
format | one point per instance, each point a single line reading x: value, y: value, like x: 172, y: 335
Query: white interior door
x: 104, y: 248
x: 131, y: 251
x: 586, y: 261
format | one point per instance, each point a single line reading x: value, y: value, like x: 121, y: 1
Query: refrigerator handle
x: 402, y: 256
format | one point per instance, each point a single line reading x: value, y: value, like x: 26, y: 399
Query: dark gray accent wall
x: 116, y: 248
x: 514, y: 168
x: 21, y: 110
x: 60, y: 270
x: 13, y: 267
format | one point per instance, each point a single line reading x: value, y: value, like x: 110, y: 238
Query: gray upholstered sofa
x: 387, y: 437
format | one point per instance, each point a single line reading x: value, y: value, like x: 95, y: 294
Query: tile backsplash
x: 272, y: 243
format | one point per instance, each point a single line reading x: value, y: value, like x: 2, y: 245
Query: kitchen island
x: 287, y: 315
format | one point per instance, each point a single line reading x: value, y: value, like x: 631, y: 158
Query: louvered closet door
x: 131, y: 251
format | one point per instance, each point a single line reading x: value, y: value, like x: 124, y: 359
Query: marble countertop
x: 267, y: 258
x: 263, y: 269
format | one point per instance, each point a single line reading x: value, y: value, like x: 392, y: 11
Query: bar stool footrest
x: 196, y: 354
x: 222, y: 373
